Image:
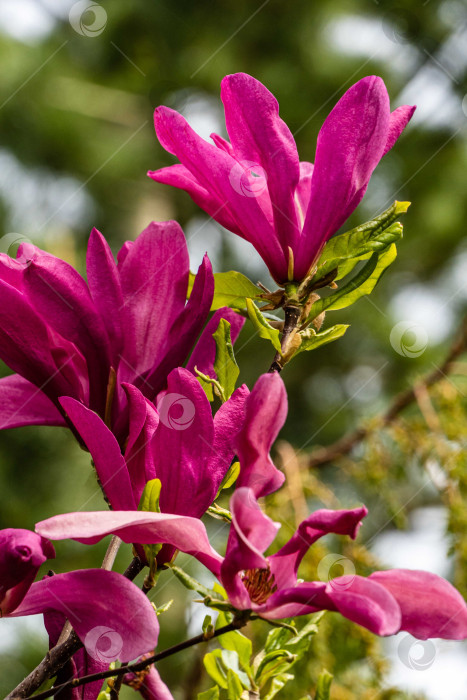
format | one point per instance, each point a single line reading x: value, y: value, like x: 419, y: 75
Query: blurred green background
x: 76, y: 140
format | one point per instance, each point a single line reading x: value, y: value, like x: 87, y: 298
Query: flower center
x: 260, y: 584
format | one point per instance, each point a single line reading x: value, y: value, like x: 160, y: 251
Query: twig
x: 400, y: 402
x: 140, y: 665
x: 60, y: 654
x: 291, y: 318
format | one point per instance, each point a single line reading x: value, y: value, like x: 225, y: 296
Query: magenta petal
x: 154, y: 278
x: 284, y: 564
x: 183, y: 447
x: 105, y: 451
x: 183, y: 331
x: 111, y: 616
x: 258, y: 134
x: 250, y: 535
x: 430, y: 605
x: 22, y: 403
x: 61, y: 296
x: 397, y: 123
x: 181, y: 177
x: 350, y: 145
x: 204, y: 353
x: 221, y: 175
x: 21, y: 554
x: 139, y: 453
x: 182, y: 532
x: 227, y: 422
x: 106, y: 292
x: 265, y: 414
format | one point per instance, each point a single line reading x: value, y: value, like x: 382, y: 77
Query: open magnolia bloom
x: 129, y: 323
x: 385, y: 603
x: 95, y: 601
x: 255, y: 184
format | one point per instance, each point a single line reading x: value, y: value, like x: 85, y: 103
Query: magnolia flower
x: 385, y: 603
x: 255, y: 184
x: 95, y: 601
x: 129, y: 323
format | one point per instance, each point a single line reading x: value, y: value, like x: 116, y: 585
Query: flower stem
x: 140, y: 665
x: 292, y: 315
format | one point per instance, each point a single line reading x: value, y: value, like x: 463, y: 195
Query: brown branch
x: 345, y: 444
x: 57, y: 657
x: 291, y: 318
x: 140, y: 665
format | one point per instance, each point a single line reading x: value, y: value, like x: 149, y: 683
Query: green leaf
x: 164, y: 607
x: 225, y: 366
x: 149, y: 500
x: 216, y: 511
x: 191, y: 583
x: 211, y: 694
x: 264, y: 329
x: 235, y: 641
x: 277, y: 684
x: 323, y: 686
x: 233, y: 289
x: 373, y: 236
x: 218, y: 662
x: 272, y: 664
x: 230, y: 478
x: 312, y: 340
x: 363, y: 283
x: 234, y: 687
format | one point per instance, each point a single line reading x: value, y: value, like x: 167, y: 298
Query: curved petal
x: 120, y: 614
x: 250, y: 535
x: 184, y: 533
x: 430, y: 606
x: 284, y: 564
x: 183, y: 331
x: 204, y: 352
x: 183, y: 447
x: 265, y: 414
x: 139, y: 452
x: 350, y: 145
x: 220, y: 174
x: 179, y: 176
x: 105, y: 451
x: 21, y: 554
x: 22, y: 403
x: 397, y: 123
x: 227, y: 421
x: 258, y: 134
x: 106, y: 291
x: 154, y: 279
x: 303, y: 191
x: 60, y: 295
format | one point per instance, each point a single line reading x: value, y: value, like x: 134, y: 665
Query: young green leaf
x: 149, y: 500
x: 323, y: 686
x: 225, y: 366
x: 277, y: 684
x: 373, y: 236
x: 218, y: 662
x: 310, y: 339
x: 363, y: 283
x: 234, y: 687
x: 230, y: 289
x: 265, y: 330
x: 235, y: 641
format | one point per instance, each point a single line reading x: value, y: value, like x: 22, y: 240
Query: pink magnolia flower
x: 255, y: 184
x: 385, y: 603
x: 129, y: 323
x: 86, y: 598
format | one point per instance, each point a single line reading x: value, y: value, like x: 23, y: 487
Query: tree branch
x: 60, y: 654
x: 140, y: 665
x: 345, y: 444
x: 291, y: 318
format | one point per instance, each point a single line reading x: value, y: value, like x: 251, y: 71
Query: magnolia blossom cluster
x: 115, y: 360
